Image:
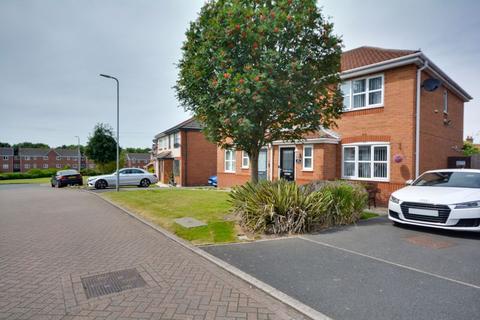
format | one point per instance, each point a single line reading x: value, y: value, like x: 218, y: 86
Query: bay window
x: 229, y: 160
x: 365, y: 162
x: 362, y: 93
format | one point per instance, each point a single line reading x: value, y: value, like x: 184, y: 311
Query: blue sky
x: 52, y: 52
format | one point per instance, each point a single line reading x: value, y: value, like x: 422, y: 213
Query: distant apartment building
x: 46, y: 158
x: 6, y: 159
x: 137, y: 160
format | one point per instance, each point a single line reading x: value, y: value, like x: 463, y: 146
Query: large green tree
x: 469, y: 149
x: 102, y: 146
x: 256, y: 71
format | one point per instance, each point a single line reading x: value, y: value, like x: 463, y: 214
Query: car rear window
x: 449, y: 179
x: 67, y: 172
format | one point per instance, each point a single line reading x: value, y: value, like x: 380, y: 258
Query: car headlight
x: 394, y: 200
x: 468, y: 205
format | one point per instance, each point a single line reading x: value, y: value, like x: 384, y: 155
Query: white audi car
x: 127, y: 177
x: 446, y: 199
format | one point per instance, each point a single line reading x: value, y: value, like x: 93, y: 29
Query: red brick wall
x: 198, y: 160
x: 8, y: 162
x: 38, y: 162
x: 137, y: 164
x: 437, y: 140
x: 229, y: 179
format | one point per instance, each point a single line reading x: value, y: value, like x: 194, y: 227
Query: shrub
x: 284, y: 207
x: 30, y: 174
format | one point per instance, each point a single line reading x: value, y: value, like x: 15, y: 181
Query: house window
x: 34, y: 158
x: 27, y: 158
x: 245, y: 160
x: 27, y: 166
x: 5, y: 157
x: 5, y: 166
x: 45, y: 166
x: 366, y: 162
x: 58, y: 157
x: 307, y: 157
x: 58, y: 166
x: 176, y: 140
x: 68, y: 158
x: 362, y: 93
x: 176, y: 168
x: 45, y: 158
x: 229, y: 160
x: 445, y: 102
x: 74, y: 166
x: 16, y: 166
x: 34, y: 165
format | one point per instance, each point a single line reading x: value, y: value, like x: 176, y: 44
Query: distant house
x: 6, y: 159
x: 184, y: 154
x: 137, y: 160
x: 45, y: 158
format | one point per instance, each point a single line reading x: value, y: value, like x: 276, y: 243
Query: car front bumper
x: 457, y: 219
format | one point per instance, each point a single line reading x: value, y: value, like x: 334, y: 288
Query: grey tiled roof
x: 33, y: 152
x: 139, y: 156
x: 6, y: 151
x: 67, y: 152
x: 190, y: 124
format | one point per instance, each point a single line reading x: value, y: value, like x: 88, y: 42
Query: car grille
x: 393, y: 214
x: 443, y: 212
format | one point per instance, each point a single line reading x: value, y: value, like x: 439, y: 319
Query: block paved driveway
x: 370, y: 271
x: 50, y: 238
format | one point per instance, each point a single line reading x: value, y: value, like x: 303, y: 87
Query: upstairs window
x: 362, y: 93
x: 176, y: 140
x: 445, y: 102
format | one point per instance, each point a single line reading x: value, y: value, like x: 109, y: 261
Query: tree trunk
x: 254, y: 166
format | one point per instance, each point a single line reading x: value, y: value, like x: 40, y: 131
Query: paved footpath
x: 50, y: 239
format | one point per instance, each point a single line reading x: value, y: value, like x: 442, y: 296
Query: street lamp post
x: 79, y: 154
x: 118, y: 128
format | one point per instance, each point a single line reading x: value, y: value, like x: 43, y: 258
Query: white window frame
x: 5, y: 157
x: 366, y: 92
x: 68, y: 158
x: 5, y: 166
x: 445, y: 101
x: 232, y: 160
x: 45, y: 166
x: 247, y: 158
x: 304, y: 168
x: 58, y: 166
x: 58, y: 158
x: 372, y: 161
x: 27, y: 158
x: 34, y: 166
x: 45, y: 158
x: 26, y: 166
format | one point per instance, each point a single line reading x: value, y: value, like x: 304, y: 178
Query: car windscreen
x: 67, y: 172
x: 451, y: 179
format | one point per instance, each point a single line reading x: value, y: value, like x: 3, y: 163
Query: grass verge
x: 26, y: 181
x: 163, y: 206
x: 368, y: 215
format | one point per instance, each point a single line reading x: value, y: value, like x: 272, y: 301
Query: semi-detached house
x: 392, y: 128
x: 184, y: 155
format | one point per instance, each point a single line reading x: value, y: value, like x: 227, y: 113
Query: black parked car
x: 65, y: 178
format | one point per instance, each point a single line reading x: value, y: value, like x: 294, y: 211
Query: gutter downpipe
x: 417, y: 126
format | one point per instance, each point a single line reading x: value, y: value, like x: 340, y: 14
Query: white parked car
x: 446, y: 199
x: 128, y: 177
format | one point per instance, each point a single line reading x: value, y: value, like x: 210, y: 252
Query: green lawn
x: 164, y: 205
x: 26, y: 181
x: 367, y: 215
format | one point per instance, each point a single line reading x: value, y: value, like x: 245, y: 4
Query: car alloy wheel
x: 145, y: 183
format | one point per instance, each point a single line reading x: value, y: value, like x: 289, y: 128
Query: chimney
x: 469, y: 139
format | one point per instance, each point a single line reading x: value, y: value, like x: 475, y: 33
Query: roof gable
x: 189, y: 124
x: 138, y: 156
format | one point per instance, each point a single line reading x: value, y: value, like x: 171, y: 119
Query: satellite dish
x: 431, y: 84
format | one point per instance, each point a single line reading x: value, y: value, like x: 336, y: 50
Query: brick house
x: 137, y: 160
x: 45, y: 158
x: 6, y: 159
x: 391, y: 130
x: 184, y: 152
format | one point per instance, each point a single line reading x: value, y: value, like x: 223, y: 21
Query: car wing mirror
x: 409, y: 182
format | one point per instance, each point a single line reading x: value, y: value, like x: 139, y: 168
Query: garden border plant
x: 281, y: 207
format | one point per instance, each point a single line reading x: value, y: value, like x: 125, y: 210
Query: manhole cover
x: 112, y: 282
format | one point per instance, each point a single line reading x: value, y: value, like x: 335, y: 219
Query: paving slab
x: 188, y: 222
x: 52, y: 239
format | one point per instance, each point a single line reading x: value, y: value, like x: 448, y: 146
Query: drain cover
x: 112, y: 282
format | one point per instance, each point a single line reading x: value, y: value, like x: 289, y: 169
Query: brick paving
x: 50, y: 239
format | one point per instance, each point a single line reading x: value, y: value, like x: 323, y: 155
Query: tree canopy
x: 258, y: 71
x: 469, y: 149
x: 102, y: 146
